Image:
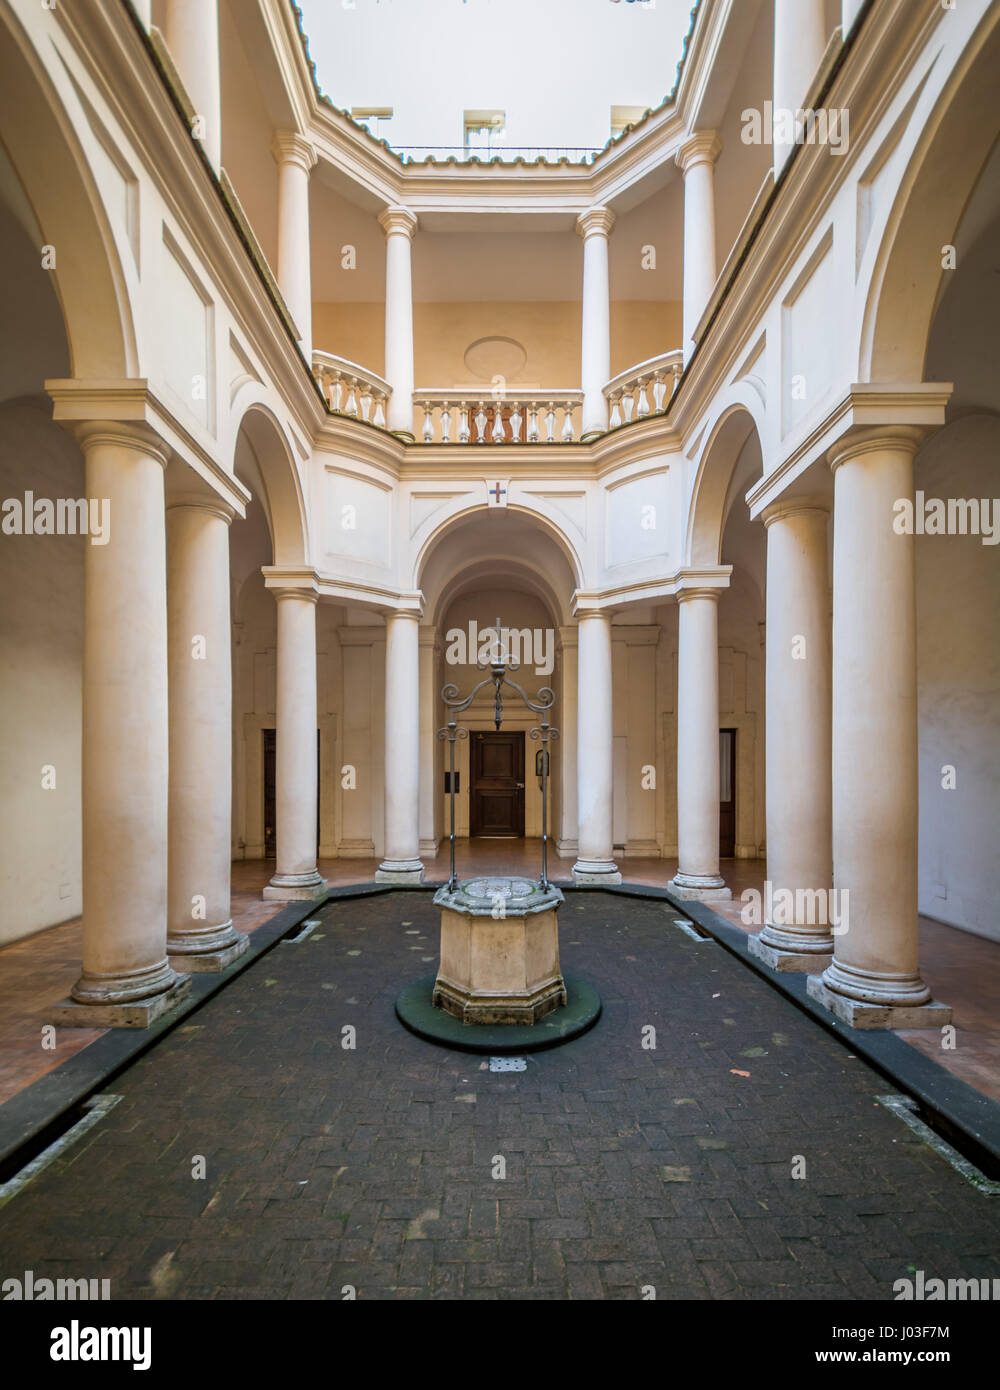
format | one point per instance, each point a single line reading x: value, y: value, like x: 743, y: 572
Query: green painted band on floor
x: 416, y: 1012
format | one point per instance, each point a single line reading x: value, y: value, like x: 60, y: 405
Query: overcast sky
x: 555, y: 67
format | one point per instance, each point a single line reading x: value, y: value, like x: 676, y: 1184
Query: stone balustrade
x: 351, y: 390
x: 643, y: 390
x: 516, y: 417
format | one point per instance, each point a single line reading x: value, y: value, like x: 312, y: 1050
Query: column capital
x: 596, y: 221
x: 794, y: 506
x: 857, y: 442
x: 703, y: 583
x: 398, y: 220
x: 202, y: 502
x: 684, y: 594
x: 704, y: 147
x: 291, y: 583
x: 289, y: 147
x: 589, y: 605
x: 127, y: 434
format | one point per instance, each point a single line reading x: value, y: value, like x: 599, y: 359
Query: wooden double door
x: 496, y: 784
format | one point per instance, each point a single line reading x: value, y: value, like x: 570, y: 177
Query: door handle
x: 520, y: 786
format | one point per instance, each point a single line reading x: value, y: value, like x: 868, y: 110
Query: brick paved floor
x: 624, y: 1166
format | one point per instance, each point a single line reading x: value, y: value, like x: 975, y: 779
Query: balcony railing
x: 517, y: 417
x: 643, y: 390
x: 351, y: 390
x: 498, y: 154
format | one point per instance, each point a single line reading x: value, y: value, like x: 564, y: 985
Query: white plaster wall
x: 958, y: 675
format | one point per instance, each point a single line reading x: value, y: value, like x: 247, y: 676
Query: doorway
x: 496, y: 785
x: 270, y: 795
x: 727, y: 793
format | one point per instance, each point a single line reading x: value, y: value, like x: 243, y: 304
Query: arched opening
x: 271, y: 533
x: 482, y: 568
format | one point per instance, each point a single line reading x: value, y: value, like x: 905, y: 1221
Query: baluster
x: 445, y: 423
x: 366, y: 402
x: 482, y: 420
x: 678, y: 371
x: 379, y: 417
x: 550, y: 424
x: 498, y: 430
x: 336, y: 390
x: 616, y: 410
x: 463, y: 423
x: 532, y: 423
x: 351, y: 408
x: 642, y: 408
x: 628, y: 403
x: 659, y: 391
x: 515, y: 425
x: 428, y: 430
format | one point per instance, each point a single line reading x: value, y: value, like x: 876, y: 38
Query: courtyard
x: 705, y: 1140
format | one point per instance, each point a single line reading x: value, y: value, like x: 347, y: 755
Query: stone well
x: 499, y: 951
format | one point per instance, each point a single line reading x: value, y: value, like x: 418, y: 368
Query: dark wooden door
x: 727, y: 793
x: 270, y: 798
x: 496, y: 784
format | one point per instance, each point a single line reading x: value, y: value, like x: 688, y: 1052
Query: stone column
x: 698, y: 747
x: 295, y: 157
x: 402, y: 751
x: 200, y: 934
x: 399, y: 225
x: 797, y: 724
x: 127, y: 980
x: 297, y: 792
x: 595, y: 752
x: 595, y: 226
x: 799, y: 44
x: 696, y: 157
x: 431, y: 719
x: 874, y: 980
x: 191, y: 30
x: 568, y: 839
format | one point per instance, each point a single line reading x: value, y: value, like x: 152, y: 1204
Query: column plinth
x: 798, y: 738
x: 595, y: 863
x: 402, y: 863
x: 698, y: 873
x: 874, y: 980
x: 297, y: 876
x: 200, y: 932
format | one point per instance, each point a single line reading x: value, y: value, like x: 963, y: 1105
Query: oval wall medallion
x: 487, y: 358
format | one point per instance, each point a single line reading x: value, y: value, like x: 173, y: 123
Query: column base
x: 292, y: 888
x: 858, y: 1014
x: 699, y: 887
x: 209, y: 960
x: 600, y: 871
x: 400, y: 871
x: 69, y: 1013
x: 783, y: 950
